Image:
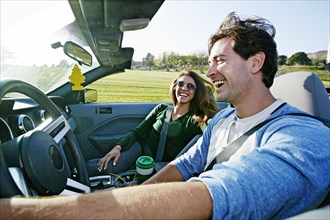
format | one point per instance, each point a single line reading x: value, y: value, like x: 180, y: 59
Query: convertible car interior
x: 47, y: 137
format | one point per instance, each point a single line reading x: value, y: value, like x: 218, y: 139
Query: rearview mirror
x: 77, y: 53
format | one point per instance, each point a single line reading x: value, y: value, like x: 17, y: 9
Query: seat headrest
x: 303, y: 90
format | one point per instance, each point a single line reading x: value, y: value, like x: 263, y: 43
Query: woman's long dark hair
x: 203, y: 105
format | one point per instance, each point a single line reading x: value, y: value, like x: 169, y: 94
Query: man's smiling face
x: 229, y: 72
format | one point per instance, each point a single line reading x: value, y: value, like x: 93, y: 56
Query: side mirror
x: 90, y: 95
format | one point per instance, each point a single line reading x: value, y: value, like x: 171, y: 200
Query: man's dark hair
x: 250, y: 36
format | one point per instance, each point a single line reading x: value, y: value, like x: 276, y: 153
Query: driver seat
x: 304, y: 90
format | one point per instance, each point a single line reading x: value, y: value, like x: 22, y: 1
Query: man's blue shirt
x: 285, y: 172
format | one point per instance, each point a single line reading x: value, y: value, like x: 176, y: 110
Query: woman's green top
x: 180, y: 132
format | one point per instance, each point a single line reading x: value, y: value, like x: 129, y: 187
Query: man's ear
x: 257, y: 60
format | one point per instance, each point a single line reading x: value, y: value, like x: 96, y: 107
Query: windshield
x: 28, y: 30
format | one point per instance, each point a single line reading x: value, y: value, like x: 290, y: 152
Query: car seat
x: 304, y: 90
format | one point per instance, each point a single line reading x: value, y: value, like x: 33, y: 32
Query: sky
x: 185, y: 26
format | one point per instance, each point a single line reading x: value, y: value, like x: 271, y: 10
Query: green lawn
x: 135, y: 86
x: 153, y: 86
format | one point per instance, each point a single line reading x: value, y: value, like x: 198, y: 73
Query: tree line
x: 198, y: 60
x: 173, y: 61
x: 301, y: 58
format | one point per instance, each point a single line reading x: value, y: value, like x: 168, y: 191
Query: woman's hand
x: 114, y: 153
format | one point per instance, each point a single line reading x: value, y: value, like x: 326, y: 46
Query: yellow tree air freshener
x: 76, y: 78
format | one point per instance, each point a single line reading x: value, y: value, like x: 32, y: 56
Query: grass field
x: 135, y: 86
x: 153, y: 86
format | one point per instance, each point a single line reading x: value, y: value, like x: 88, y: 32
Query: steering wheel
x: 38, y: 155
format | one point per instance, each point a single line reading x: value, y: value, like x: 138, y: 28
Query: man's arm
x: 169, y: 173
x: 179, y: 200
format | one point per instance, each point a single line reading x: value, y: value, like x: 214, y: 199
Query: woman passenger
x: 192, y: 107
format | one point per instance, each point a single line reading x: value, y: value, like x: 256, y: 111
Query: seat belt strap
x: 163, y: 134
x: 235, y: 145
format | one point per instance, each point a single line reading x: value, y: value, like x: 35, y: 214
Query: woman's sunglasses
x: 190, y: 86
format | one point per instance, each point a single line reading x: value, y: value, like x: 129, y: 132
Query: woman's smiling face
x: 185, y: 93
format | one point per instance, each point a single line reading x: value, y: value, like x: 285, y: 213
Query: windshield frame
x: 28, y: 29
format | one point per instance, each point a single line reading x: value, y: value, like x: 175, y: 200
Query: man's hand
x: 168, y: 174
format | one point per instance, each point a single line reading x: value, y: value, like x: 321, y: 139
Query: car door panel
x: 99, y: 126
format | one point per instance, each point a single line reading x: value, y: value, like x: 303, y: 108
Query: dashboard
x: 20, y: 115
